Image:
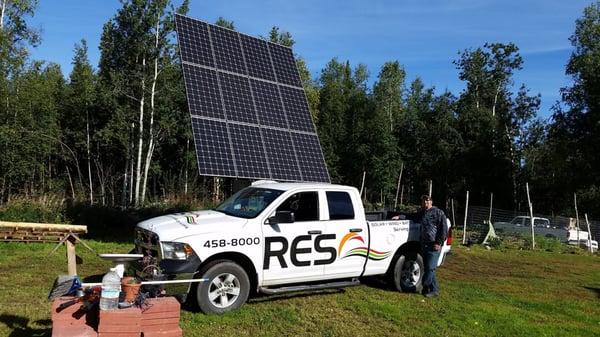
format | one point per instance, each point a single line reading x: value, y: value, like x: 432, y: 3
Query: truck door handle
x: 355, y: 230
x: 314, y: 232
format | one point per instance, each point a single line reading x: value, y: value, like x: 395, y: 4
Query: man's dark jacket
x: 433, y: 225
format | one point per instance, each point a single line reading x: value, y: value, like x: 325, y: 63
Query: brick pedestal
x: 68, y: 320
x: 160, y: 318
x: 120, y: 323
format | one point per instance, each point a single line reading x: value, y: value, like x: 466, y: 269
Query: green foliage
x: 48, y: 209
x: 222, y: 22
x: 574, y: 134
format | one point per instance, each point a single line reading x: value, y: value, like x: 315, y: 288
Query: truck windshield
x: 249, y: 202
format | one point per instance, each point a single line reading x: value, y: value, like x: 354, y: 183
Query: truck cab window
x: 304, y: 205
x: 340, y: 206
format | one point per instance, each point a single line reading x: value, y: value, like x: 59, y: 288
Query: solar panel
x: 227, y: 49
x: 213, y: 148
x: 203, y: 92
x: 250, y: 116
x: 296, y: 106
x: 194, y: 43
x: 237, y: 98
x: 257, y: 58
x: 268, y: 102
x: 285, y: 66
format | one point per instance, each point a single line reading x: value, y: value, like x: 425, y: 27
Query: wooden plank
x: 42, y: 226
x: 29, y: 241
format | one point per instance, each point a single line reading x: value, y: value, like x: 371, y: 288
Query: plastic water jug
x: 111, y: 288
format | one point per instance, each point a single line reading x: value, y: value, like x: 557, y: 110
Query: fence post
x: 465, y: 222
x: 576, y: 216
x: 453, y: 218
x: 491, y: 203
x: 362, y: 185
x: 530, y: 217
x: 589, y: 233
x: 398, y: 187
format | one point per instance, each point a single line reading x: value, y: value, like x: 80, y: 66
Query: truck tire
x: 227, y: 287
x: 408, y: 273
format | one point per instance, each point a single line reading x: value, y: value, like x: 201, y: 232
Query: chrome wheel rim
x: 224, y: 290
x: 410, y: 274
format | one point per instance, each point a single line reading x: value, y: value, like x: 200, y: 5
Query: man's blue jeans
x: 430, y: 260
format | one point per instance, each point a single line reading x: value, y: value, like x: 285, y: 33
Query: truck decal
x: 349, y: 236
x: 372, y: 254
x: 233, y: 242
x: 361, y: 251
x: 295, y: 252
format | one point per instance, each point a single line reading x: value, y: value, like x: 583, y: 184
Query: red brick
x: 73, y: 331
x: 161, y: 304
x: 131, y: 313
x: 133, y: 327
x: 160, y: 315
x: 66, y: 312
x: 167, y: 333
x: 167, y: 321
x: 118, y: 334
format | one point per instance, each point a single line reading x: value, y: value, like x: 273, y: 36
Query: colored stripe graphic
x: 369, y: 253
x: 346, y: 238
x: 190, y: 219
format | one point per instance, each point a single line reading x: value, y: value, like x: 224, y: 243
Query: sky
x: 425, y: 36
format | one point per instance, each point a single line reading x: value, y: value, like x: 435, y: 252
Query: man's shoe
x: 431, y: 294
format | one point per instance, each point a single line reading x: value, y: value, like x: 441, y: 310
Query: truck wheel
x: 227, y: 287
x: 408, y: 273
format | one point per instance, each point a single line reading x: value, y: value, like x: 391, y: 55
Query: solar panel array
x: 250, y: 116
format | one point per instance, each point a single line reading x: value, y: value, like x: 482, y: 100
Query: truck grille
x: 147, y: 243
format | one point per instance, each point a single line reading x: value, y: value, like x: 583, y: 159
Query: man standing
x: 434, y: 230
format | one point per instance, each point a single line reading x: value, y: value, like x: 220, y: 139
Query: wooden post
x: 465, y: 222
x: 402, y: 195
x: 71, y: 257
x: 530, y: 217
x: 398, y: 186
x: 362, y: 185
x: 589, y: 233
x: 576, y: 216
x: 491, y: 203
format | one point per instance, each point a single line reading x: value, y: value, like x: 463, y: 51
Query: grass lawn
x: 484, y: 293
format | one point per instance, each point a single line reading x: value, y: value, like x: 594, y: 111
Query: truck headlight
x: 176, y: 251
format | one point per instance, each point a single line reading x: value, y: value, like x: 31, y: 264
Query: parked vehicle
x: 582, y: 239
x: 525, y: 221
x: 280, y: 237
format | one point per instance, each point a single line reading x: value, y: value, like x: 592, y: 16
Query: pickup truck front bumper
x: 153, y: 268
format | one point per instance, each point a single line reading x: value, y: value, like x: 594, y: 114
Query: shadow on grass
x: 594, y: 290
x: 272, y: 298
x: 19, y: 326
x: 262, y: 298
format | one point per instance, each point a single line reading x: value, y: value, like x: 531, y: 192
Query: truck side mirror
x: 281, y: 217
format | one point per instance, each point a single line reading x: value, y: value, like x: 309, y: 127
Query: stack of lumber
x: 37, y: 232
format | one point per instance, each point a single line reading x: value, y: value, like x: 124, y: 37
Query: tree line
x: 119, y: 133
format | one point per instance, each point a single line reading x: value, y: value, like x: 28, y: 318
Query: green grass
x: 484, y: 293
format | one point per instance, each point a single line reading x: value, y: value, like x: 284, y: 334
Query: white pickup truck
x: 279, y: 237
